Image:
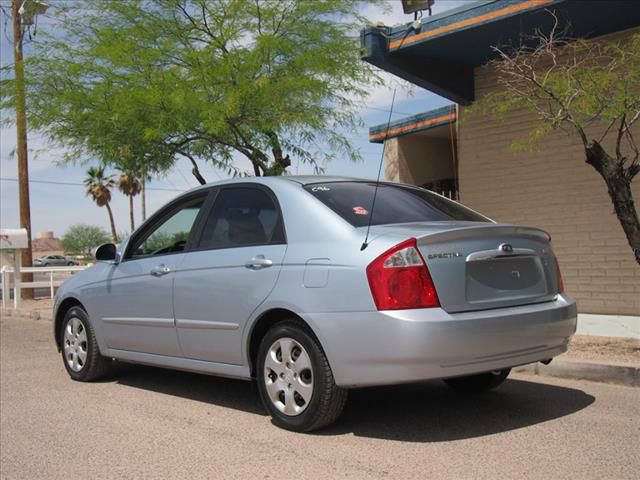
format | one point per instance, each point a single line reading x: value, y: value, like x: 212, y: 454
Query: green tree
x: 138, y: 84
x: 130, y: 186
x: 590, y: 88
x: 82, y: 238
x: 99, y: 188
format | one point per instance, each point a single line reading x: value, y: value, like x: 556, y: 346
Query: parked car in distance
x: 54, y: 261
x: 270, y: 279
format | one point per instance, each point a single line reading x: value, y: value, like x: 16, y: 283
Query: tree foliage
x: 83, y: 238
x: 139, y: 83
x: 581, y: 86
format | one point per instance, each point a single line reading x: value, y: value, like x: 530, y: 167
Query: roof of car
x: 300, y: 179
x: 308, y: 179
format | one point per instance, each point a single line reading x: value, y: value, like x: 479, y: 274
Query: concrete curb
x: 24, y: 313
x: 620, y: 374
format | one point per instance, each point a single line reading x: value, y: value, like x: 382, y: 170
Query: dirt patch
x: 39, y: 304
x: 605, y: 349
x: 34, y: 309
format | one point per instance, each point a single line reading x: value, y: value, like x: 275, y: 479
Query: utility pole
x: 21, y: 127
x: 23, y: 13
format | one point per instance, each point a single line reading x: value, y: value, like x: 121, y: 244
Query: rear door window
x: 394, y: 204
x: 242, y: 216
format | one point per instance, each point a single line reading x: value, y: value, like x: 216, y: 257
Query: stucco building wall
x: 418, y: 159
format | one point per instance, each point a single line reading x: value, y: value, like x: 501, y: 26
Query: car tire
x: 80, y: 352
x: 70, y: 264
x: 479, y: 383
x: 282, y: 388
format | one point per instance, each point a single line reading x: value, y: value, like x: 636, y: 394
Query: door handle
x: 258, y: 262
x: 160, y: 270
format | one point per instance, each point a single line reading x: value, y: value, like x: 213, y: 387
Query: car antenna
x: 365, y: 244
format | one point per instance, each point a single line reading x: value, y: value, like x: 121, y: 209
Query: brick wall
x: 552, y: 188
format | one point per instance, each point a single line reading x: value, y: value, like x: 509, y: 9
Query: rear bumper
x: 382, y: 348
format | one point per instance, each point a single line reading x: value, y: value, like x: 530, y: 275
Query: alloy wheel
x: 75, y: 344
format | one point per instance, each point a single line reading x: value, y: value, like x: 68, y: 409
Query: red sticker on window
x: 360, y: 211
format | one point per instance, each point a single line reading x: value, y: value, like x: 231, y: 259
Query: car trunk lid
x: 478, y: 266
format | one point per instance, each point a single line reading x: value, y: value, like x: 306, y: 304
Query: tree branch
x: 619, y: 156
x: 195, y: 170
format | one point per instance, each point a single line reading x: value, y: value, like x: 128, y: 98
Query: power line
x: 52, y: 182
x: 386, y: 110
x: 183, y: 177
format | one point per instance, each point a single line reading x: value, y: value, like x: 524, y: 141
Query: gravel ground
x: 604, y: 349
x: 151, y: 423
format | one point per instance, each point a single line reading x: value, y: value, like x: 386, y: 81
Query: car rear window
x: 394, y: 204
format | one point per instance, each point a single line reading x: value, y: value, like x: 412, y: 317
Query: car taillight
x: 400, y: 279
x: 560, y: 281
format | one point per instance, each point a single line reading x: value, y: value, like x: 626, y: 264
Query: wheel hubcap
x: 75, y: 344
x: 288, y: 376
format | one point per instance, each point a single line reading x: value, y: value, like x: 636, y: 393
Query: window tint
x: 242, y: 216
x: 394, y: 204
x: 172, y: 233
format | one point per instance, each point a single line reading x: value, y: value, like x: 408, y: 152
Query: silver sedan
x: 308, y: 287
x: 54, y: 261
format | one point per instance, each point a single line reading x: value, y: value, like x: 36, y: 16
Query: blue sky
x: 56, y: 207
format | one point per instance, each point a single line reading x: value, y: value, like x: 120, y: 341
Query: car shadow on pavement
x: 432, y: 412
x: 422, y: 412
x: 224, y: 392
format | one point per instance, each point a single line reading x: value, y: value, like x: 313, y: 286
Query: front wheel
x: 80, y: 352
x: 295, y: 380
x: 479, y: 383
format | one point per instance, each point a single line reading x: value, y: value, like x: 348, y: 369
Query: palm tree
x: 130, y: 186
x: 99, y: 188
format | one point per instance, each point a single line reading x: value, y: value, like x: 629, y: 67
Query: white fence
x: 11, y: 283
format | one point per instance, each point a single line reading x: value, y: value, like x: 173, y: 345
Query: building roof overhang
x: 414, y: 123
x: 443, y: 53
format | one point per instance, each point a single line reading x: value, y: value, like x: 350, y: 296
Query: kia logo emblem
x: 506, y: 248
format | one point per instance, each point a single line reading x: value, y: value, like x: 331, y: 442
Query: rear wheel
x: 80, y: 352
x: 295, y: 380
x: 479, y: 383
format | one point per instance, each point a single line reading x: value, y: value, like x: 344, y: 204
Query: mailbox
x: 13, y: 238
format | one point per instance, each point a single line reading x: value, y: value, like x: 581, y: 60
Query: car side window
x: 242, y: 216
x: 170, y: 235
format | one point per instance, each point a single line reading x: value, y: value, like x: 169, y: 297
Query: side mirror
x: 105, y: 252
